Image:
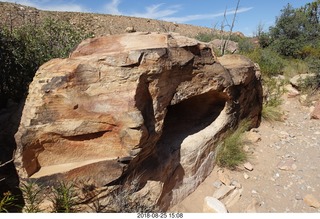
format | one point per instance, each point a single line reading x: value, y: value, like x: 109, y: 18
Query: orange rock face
x: 141, y: 103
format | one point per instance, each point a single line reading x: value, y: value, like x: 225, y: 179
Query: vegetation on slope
x: 25, y: 48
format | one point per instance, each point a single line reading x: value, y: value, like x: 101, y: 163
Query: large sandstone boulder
x: 141, y: 104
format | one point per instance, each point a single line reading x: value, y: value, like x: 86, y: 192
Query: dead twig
x: 7, y: 162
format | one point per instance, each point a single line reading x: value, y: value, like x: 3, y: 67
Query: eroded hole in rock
x: 85, y: 137
x: 189, y: 117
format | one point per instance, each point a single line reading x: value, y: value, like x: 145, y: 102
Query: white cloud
x: 152, y: 11
x: 158, y: 11
x: 50, y: 6
x: 194, y: 17
x: 113, y: 7
x: 155, y: 11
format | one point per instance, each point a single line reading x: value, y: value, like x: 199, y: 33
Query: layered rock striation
x: 149, y: 105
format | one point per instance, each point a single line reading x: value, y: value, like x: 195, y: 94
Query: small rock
x: 46, y: 206
x: 223, y: 192
x: 311, y: 201
x: 213, y: 205
x: 246, y: 176
x: 252, y: 207
x: 236, y: 184
x: 248, y: 166
x: 303, y: 98
x: 254, y: 130
x: 292, y: 92
x: 233, y: 198
x: 297, y: 80
x: 311, y: 109
x: 224, y: 178
x: 253, y: 137
x: 246, y: 148
x: 316, y: 112
x: 298, y: 197
x: 287, y: 164
x: 217, y: 184
x: 130, y: 30
x: 284, y: 134
x: 254, y: 192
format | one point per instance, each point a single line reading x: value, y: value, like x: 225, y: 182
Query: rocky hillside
x: 100, y: 24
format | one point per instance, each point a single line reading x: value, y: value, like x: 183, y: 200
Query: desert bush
x: 25, y: 48
x: 271, y: 113
x: 273, y: 91
x: 125, y: 201
x: 294, y: 67
x: 206, y: 37
x: 230, y: 152
x: 313, y: 83
x: 245, y: 46
x: 264, y: 40
x: 270, y: 62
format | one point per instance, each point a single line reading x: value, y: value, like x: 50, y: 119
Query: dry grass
x: 231, y: 153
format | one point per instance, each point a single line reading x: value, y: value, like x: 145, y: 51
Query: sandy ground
x: 285, y: 168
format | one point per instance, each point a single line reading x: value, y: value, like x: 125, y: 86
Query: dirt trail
x: 286, y: 168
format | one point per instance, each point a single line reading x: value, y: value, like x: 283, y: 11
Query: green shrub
x: 314, y: 66
x: 64, y: 200
x: 270, y: 62
x: 25, y: 48
x: 264, y: 40
x: 273, y: 91
x: 206, y: 37
x: 294, y: 67
x: 230, y: 153
x: 271, y: 113
x: 245, y: 46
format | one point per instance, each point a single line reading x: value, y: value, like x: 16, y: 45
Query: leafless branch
x: 232, y: 25
x: 3, y: 164
x: 224, y: 24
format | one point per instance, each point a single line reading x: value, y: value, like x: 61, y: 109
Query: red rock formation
x: 152, y: 105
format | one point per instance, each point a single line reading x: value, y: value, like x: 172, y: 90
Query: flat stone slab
x: 213, y: 205
x: 223, y: 191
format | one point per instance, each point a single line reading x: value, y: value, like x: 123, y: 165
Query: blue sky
x: 207, y: 13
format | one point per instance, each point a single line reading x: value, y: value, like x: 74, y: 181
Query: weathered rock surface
x: 147, y: 105
x: 315, y: 114
x: 213, y: 205
x: 231, y: 46
x: 311, y: 201
x: 223, y: 192
x: 248, y: 166
x: 297, y: 80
